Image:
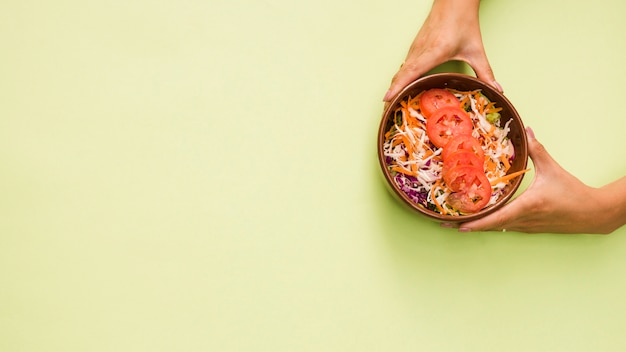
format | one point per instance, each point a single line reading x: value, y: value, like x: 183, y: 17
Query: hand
x: 450, y: 32
x: 556, y: 202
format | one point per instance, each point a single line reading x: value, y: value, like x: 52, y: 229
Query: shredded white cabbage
x: 424, y: 164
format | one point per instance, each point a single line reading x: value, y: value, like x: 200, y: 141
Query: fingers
x: 412, y: 70
x: 495, y: 221
x: 483, y: 71
x: 400, y: 80
x: 409, y: 72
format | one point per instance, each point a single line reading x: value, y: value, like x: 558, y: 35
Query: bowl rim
x: 488, y: 91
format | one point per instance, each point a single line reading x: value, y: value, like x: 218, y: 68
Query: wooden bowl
x: 517, y: 135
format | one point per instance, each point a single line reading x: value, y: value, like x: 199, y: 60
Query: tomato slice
x: 446, y: 123
x: 462, y: 157
x: 471, y: 189
x: 435, y: 99
x: 463, y: 142
x: 463, y: 176
x: 467, y: 203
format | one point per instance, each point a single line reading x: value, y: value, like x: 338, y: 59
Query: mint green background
x: 201, y: 176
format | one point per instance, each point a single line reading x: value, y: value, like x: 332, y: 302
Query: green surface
x: 202, y: 176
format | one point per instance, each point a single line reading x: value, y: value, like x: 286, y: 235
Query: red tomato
x: 464, y: 142
x: 463, y: 176
x: 471, y: 189
x: 435, y: 99
x: 462, y: 157
x: 446, y: 123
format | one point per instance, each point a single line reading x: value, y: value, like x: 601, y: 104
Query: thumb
x: 410, y: 70
x: 538, y: 153
x: 399, y: 81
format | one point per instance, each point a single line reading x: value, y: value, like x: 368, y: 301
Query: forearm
x: 612, y: 198
x: 456, y: 8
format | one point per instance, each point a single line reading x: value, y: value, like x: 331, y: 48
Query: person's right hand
x: 557, y: 202
x: 450, y: 32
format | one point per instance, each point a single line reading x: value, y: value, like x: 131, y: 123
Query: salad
x: 448, y: 152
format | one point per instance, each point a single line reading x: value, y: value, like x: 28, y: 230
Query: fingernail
x: 465, y: 229
x: 387, y: 96
x: 498, y: 86
x: 446, y: 225
x: 530, y: 132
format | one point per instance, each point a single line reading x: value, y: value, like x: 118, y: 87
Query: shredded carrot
x: 493, y: 110
x: 413, y: 122
x: 490, y: 108
x: 505, y: 160
x: 402, y: 170
x: 413, y: 102
x: 491, y: 166
x: 433, y: 191
x: 478, y: 98
x: 509, y: 177
x: 407, y: 144
x: 412, y: 153
x: 464, y: 101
